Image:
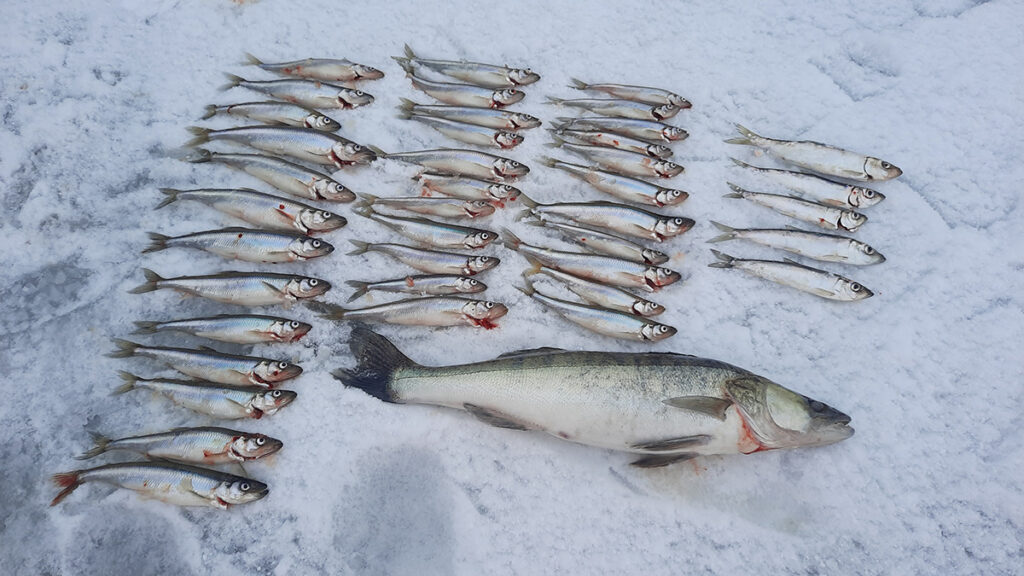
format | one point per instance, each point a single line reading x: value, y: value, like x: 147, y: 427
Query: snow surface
x: 95, y: 97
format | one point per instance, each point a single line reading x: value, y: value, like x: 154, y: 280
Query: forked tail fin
x: 376, y: 361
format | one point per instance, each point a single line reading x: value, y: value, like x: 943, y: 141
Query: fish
x: 430, y: 311
x: 441, y: 207
x: 821, y: 215
x: 795, y: 275
x: 212, y: 399
x: 265, y: 211
x: 620, y: 108
x: 467, y: 188
x: 432, y: 285
x: 603, y: 321
x: 644, y: 94
x: 616, y: 141
x: 815, y: 245
x: 621, y: 187
x: 487, y: 117
x: 600, y: 242
x: 463, y: 94
x: 234, y: 328
x: 311, y: 93
x: 608, y: 297
x: 242, y: 288
x: 284, y: 113
x: 429, y: 232
x: 204, y: 445
x: 821, y: 158
x: 210, y: 365
x: 246, y: 244
x: 821, y: 189
x: 595, y: 267
x: 302, y: 144
x: 324, y: 69
x: 178, y: 484
x: 485, y: 75
x: 470, y: 134
x: 646, y: 130
x: 429, y: 261
x: 286, y: 176
x: 456, y: 162
x: 611, y: 216
x: 662, y: 407
x: 621, y: 161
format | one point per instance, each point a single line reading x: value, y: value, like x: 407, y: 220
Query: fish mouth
x: 301, y: 331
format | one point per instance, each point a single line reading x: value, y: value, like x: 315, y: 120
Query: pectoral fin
x: 709, y: 405
x: 659, y: 461
x: 495, y: 418
x: 186, y: 485
x: 532, y: 352
x: 674, y: 444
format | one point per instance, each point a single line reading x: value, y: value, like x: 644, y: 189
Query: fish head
x: 664, y: 111
x: 657, y: 277
x: 659, y: 151
x: 674, y: 133
x: 318, y: 121
x: 508, y: 168
x: 349, y: 98
x: 467, y: 285
x: 479, y: 239
x: 851, y: 290
x: 478, y: 264
x: 307, y: 287
x: 850, y: 220
x: 273, y: 371
x: 273, y: 400
x: 668, y: 227
x: 647, y: 308
x: 477, y: 208
x: 654, y: 257
x: 366, y: 72
x: 871, y: 256
x: 864, y: 197
x: 878, y: 169
x: 506, y: 97
x: 331, y: 191
x: 503, y: 192
x: 667, y: 169
x: 289, y: 330
x: 654, y: 332
x: 484, y: 312
x: 254, y: 446
x: 343, y: 153
x: 522, y: 76
x: 240, y: 491
x: 305, y: 248
x: 524, y: 121
x: 780, y: 418
x: 679, y: 102
x: 320, y: 220
x: 670, y: 197
x: 507, y: 139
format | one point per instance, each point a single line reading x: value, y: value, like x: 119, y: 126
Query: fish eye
x: 485, y: 258
x: 488, y: 305
x: 325, y: 214
x: 282, y: 365
x: 244, y: 486
x: 359, y: 92
x: 261, y: 441
x: 276, y: 393
x: 855, y: 287
x: 316, y: 243
x: 313, y: 281
x: 869, y: 250
x: 677, y: 221
x: 484, y: 235
x: 514, y: 163
x: 473, y: 282
x: 868, y: 193
x: 294, y: 323
x: 817, y: 406
x: 886, y: 165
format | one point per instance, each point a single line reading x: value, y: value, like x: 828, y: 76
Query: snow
x: 96, y: 100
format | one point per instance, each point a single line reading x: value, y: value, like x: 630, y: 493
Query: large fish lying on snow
x: 666, y: 407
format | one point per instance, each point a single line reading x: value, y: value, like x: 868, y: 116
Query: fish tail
x: 405, y: 63
x: 578, y: 84
x: 152, y: 282
x: 565, y: 119
x: 233, y: 81
x: 99, y: 446
x: 748, y: 136
x: 726, y: 260
x: 125, y: 349
x: 157, y: 242
x: 377, y: 358
x: 558, y: 141
x: 377, y: 151
x: 361, y: 289
x: 409, y: 53
x: 364, y: 209
x: 361, y: 247
x: 737, y: 192
x: 145, y: 327
x: 554, y: 100
x: 367, y: 200
x: 330, y: 311
x: 743, y: 164
x: 128, y: 382
x: 251, y: 60
x: 406, y: 108
x: 529, y: 290
x: 202, y: 136
x: 524, y: 214
x: 729, y: 233
x: 509, y: 240
x: 210, y: 112
x: 68, y: 481
x: 549, y: 161
x: 197, y: 156
x: 172, y: 197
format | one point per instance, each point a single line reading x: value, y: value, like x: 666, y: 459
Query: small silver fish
x: 300, y: 143
x: 456, y: 162
x: 597, y: 138
x: 467, y: 188
x: 621, y: 187
x: 433, y: 285
x: 470, y: 134
x: 611, y: 216
x: 646, y: 130
x: 429, y: 311
x: 620, y: 108
x: 464, y: 94
x: 429, y: 232
x: 204, y: 445
x: 621, y: 161
x: 823, y: 247
x: 284, y: 113
x: 486, y: 117
x: 820, y: 215
x: 288, y: 177
x: 603, y: 296
x: 821, y: 158
x: 644, y: 94
x: 246, y: 244
x: 212, y: 399
x: 440, y: 207
x: 429, y: 261
x: 600, y: 242
x: 821, y: 189
x: 243, y: 288
x: 213, y: 366
x: 311, y: 93
x: 789, y: 273
x: 234, y: 328
x: 263, y: 210
x: 325, y: 69
x: 486, y: 75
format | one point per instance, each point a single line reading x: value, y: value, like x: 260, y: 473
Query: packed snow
x: 95, y: 101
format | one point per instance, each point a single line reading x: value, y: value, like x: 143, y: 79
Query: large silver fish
x: 429, y: 261
x: 617, y: 141
x: 245, y: 244
x: 467, y: 188
x: 608, y: 297
x: 213, y: 366
x: 440, y: 207
x: 432, y: 285
x: 825, y: 191
x: 665, y: 407
x: 486, y: 117
x: 212, y: 399
x: 622, y: 187
x: 284, y: 113
x: 311, y: 93
x: 470, y: 134
x: 234, y: 328
x: 458, y: 162
x: 463, y: 94
x: 605, y: 243
x: 265, y: 211
x: 621, y: 161
x: 620, y: 108
x: 644, y: 94
x: 611, y: 216
x: 602, y: 320
x: 431, y: 233
x: 243, y: 288
x: 793, y: 274
x: 486, y: 75
x: 647, y: 130
x: 205, y: 445
x: 325, y: 69
x: 821, y: 158
x: 300, y: 143
x: 286, y: 176
x: 429, y: 311
x: 824, y: 247
x: 823, y: 216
